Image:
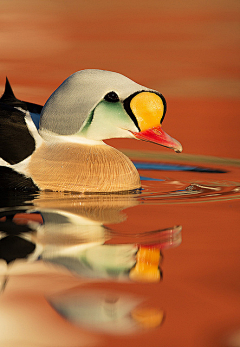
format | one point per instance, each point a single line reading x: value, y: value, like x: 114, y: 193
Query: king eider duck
x: 59, y: 146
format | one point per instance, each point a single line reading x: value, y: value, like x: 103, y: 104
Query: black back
x: 16, y: 142
x: 8, y: 98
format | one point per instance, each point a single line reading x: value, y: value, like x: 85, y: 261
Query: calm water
x: 157, y: 267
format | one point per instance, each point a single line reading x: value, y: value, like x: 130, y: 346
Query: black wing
x: 8, y: 98
x: 16, y: 142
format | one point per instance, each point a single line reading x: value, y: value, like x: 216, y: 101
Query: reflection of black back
x: 11, y: 228
x: 12, y: 246
x: 15, y: 247
x: 14, y: 198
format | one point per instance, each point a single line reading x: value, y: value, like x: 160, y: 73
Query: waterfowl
x: 59, y: 146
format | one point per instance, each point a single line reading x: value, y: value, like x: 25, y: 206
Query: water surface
x: 160, y: 264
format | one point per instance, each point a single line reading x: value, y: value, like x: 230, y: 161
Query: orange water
x: 186, y: 222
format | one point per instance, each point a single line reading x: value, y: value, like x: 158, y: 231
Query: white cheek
x: 110, y: 121
x: 97, y: 132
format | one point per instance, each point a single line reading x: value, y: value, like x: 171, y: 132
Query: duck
x: 59, y: 146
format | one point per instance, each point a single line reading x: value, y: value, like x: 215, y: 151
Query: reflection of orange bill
x: 24, y: 218
x: 148, y: 317
x: 167, y: 238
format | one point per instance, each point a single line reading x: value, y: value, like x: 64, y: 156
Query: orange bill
x: 160, y: 137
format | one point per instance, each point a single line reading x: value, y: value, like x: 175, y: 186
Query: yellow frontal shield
x: 148, y: 108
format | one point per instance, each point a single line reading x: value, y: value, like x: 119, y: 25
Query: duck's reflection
x: 72, y: 234
x: 80, y: 245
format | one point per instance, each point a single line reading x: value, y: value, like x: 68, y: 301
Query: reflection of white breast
x: 65, y: 233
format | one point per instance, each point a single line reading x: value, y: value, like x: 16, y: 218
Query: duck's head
x: 97, y: 105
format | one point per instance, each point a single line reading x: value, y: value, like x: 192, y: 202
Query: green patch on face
x: 87, y: 123
x: 107, y: 120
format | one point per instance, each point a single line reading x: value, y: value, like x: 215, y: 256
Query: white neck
x: 51, y: 137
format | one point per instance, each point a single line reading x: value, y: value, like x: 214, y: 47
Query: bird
x: 59, y: 146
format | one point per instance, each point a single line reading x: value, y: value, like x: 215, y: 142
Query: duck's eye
x: 111, y: 97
